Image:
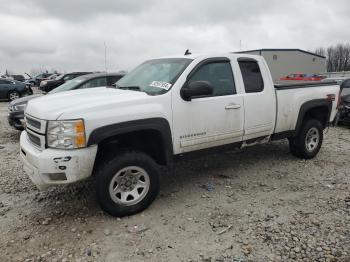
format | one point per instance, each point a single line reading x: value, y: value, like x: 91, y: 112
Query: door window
x: 101, y: 81
x: 69, y: 77
x: 113, y: 79
x: 252, y: 78
x: 219, y: 75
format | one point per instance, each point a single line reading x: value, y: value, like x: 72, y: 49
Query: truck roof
x: 228, y: 54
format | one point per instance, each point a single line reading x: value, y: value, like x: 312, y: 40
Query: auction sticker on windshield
x: 160, y: 84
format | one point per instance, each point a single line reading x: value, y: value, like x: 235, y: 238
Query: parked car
x: 18, y: 78
x: 48, y: 85
x: 35, y: 81
x: 303, y: 77
x: 343, y: 114
x: 17, y: 107
x: 163, y: 109
x: 12, y: 89
x: 53, y: 76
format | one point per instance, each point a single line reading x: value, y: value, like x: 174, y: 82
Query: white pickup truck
x: 167, y: 107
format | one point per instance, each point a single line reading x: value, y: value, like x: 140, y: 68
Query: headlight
x: 68, y: 134
x: 21, y: 107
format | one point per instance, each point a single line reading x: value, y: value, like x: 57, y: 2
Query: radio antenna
x: 104, y: 43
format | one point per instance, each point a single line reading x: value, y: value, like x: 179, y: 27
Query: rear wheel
x: 13, y: 95
x: 309, y: 140
x: 127, y: 184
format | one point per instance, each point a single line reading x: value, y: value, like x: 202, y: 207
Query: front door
x: 212, y: 120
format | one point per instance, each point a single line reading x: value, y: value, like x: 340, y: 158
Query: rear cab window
x: 251, y: 74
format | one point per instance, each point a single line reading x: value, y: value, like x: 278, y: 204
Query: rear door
x: 213, y: 120
x: 259, y: 98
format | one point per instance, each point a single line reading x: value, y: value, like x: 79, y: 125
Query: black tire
x: 337, y: 120
x: 106, y: 172
x: 30, y: 91
x: 13, y: 95
x: 298, y: 145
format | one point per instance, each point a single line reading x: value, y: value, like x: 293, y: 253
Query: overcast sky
x: 69, y: 35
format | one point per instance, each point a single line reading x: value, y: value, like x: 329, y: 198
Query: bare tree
x: 320, y: 51
x: 338, y: 57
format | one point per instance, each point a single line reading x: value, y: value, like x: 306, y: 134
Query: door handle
x: 232, y: 106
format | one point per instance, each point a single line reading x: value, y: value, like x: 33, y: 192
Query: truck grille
x: 32, y: 122
x: 34, y: 139
x: 35, y: 124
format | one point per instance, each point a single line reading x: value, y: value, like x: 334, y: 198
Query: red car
x: 303, y: 77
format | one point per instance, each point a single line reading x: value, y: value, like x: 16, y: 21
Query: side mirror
x: 196, y: 89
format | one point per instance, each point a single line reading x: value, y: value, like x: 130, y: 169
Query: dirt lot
x: 257, y: 204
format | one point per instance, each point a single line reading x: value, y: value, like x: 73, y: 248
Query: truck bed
x: 292, y: 96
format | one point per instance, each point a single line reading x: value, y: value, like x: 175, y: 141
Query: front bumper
x: 16, y: 119
x: 51, y: 167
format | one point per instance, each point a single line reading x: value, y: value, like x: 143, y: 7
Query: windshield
x: 70, y: 85
x: 59, y: 77
x: 154, y: 77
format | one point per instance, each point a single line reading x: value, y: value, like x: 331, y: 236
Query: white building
x: 283, y: 62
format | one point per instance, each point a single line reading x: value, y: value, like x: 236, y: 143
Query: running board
x: 256, y: 141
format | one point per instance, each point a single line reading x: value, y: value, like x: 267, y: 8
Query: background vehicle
x: 49, y: 85
x: 165, y: 108
x: 343, y: 114
x: 18, y: 78
x: 12, y: 89
x: 17, y: 107
x: 54, y: 76
x: 303, y: 77
x: 35, y: 81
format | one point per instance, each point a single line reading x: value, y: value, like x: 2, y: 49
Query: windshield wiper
x: 135, y: 88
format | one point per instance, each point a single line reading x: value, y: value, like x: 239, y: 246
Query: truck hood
x: 24, y: 100
x: 52, y: 106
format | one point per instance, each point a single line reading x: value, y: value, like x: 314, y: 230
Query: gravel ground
x: 256, y: 204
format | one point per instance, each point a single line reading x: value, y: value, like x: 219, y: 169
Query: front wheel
x: 308, y: 142
x: 13, y: 95
x: 127, y: 184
